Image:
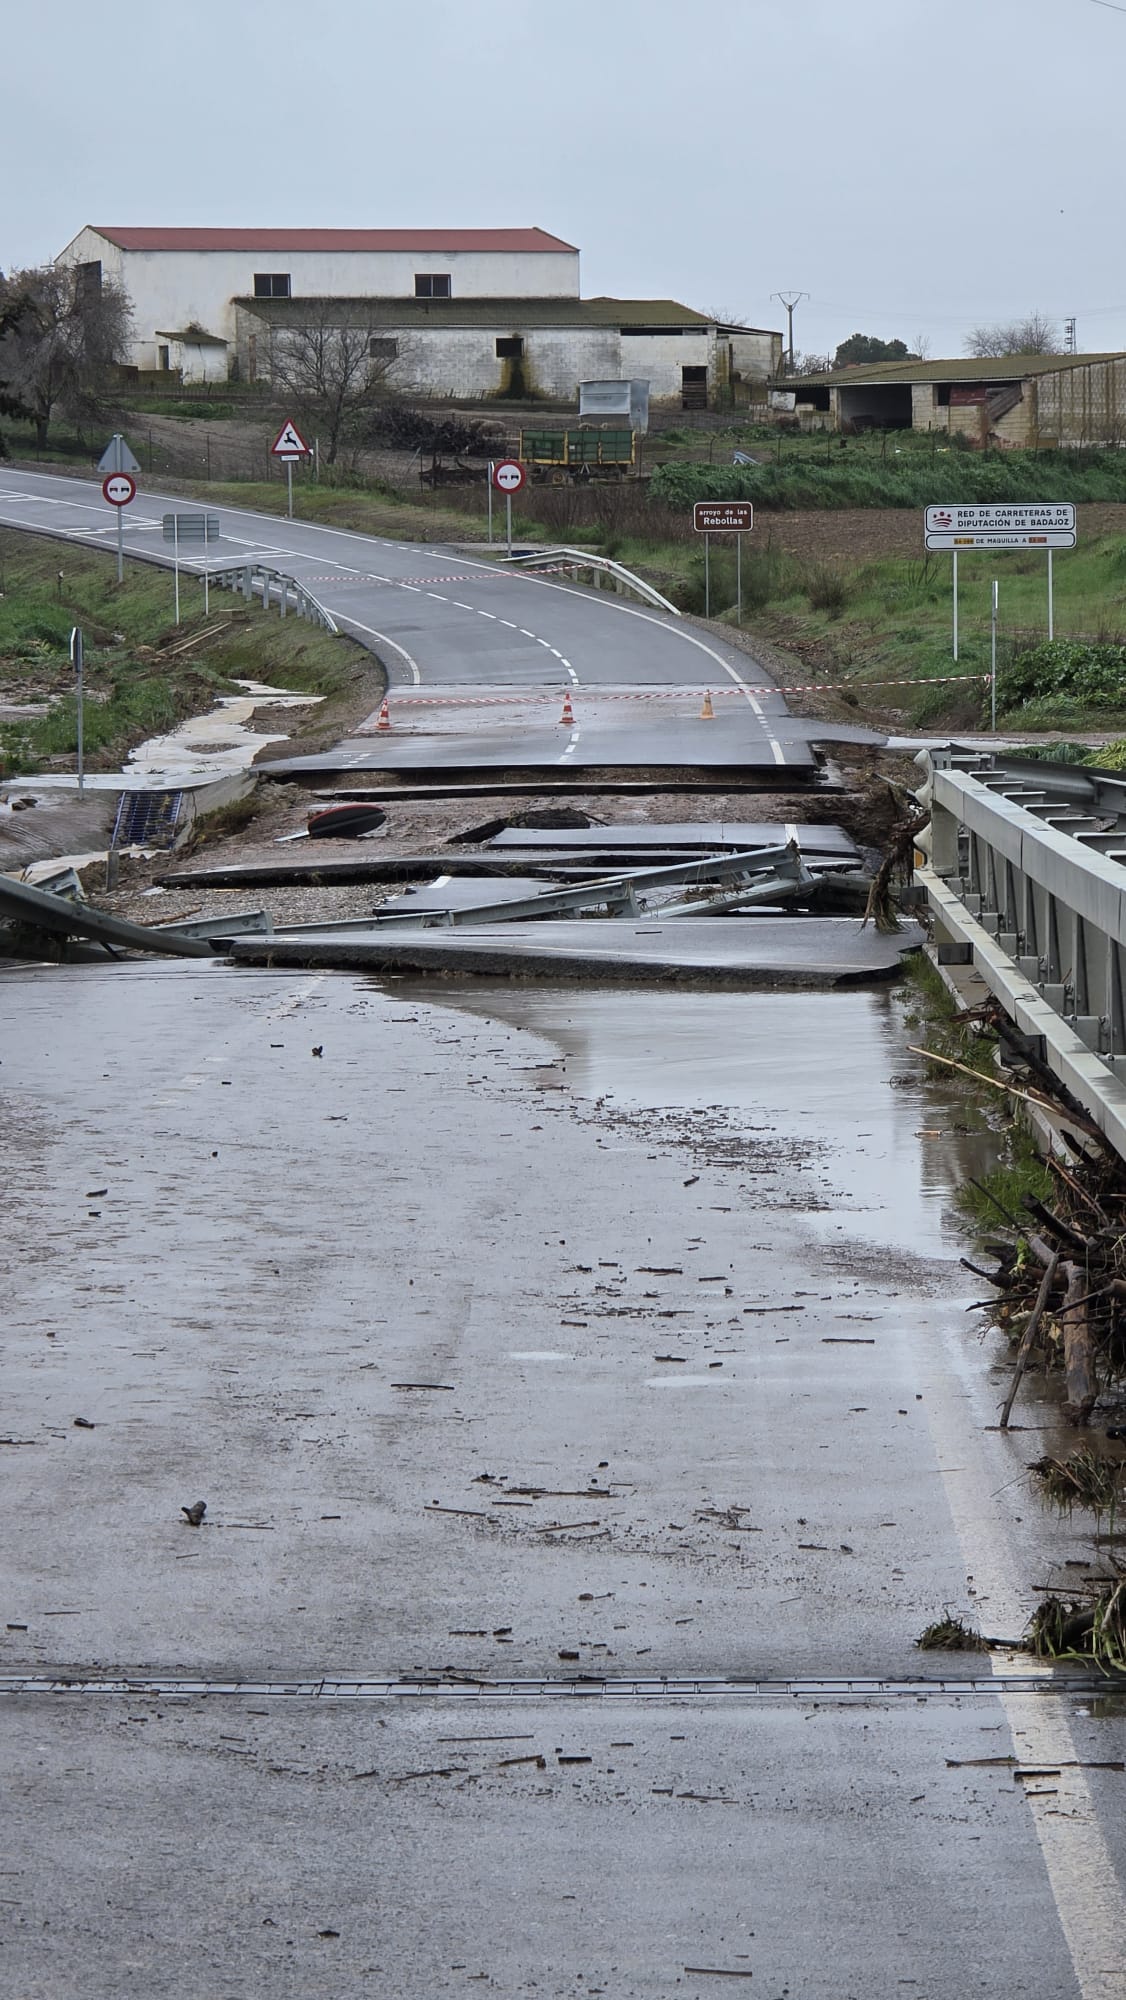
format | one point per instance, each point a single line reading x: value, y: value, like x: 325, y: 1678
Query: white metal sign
x: 509, y: 475
x: 289, y: 442
x: 1035, y: 525
x: 117, y: 456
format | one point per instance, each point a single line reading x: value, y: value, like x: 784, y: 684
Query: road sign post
x: 508, y: 477
x: 188, y: 528
x: 76, y: 655
x: 1047, y: 525
x: 723, y: 517
x: 118, y: 461
x: 492, y: 469
x: 289, y: 446
x: 993, y: 659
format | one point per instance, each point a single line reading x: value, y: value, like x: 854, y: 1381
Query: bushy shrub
x: 826, y: 589
x: 1064, y: 670
x: 910, y: 479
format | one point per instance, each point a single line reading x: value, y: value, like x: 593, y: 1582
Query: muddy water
x: 830, y: 1075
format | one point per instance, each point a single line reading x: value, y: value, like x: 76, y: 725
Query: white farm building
x: 464, y: 313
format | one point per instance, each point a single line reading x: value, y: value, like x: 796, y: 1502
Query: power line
x: 789, y: 300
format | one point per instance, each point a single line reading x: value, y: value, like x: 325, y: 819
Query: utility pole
x: 790, y: 300
x: 1070, y: 342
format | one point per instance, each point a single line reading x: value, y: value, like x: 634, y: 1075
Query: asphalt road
x: 577, y: 1379
x: 600, y: 1345
x: 442, y: 620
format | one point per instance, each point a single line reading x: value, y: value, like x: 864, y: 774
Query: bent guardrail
x: 575, y: 561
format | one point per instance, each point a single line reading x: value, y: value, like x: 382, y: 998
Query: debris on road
x: 195, y: 1512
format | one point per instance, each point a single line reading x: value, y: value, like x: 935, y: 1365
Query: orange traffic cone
x: 707, y: 713
x: 568, y: 714
x: 384, y: 721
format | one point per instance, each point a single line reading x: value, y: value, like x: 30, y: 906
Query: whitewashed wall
x: 179, y: 288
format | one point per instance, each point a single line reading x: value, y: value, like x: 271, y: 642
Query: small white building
x: 190, y: 278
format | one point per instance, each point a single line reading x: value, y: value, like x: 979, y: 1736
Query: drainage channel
x: 169, y: 1687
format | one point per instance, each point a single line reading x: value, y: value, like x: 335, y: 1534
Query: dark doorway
x: 693, y: 388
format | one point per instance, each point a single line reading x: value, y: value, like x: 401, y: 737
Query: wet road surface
x: 442, y: 619
x: 584, y: 1338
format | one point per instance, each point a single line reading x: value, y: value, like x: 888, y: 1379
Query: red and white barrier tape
x: 583, y: 692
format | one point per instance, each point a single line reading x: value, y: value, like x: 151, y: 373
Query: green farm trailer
x: 579, y: 455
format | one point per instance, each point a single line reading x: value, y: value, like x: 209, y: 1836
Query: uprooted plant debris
x: 1085, y: 1479
x: 1061, y: 1268
x: 1066, y: 1628
x: 950, y: 1635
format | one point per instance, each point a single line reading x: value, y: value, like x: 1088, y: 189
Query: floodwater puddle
x: 877, y: 1148
x: 219, y: 741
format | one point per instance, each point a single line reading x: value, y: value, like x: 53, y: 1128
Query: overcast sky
x: 916, y: 168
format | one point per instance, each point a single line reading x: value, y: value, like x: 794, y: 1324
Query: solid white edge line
x: 545, y: 583
x: 385, y: 639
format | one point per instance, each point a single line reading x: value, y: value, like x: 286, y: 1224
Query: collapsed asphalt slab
x: 712, y: 951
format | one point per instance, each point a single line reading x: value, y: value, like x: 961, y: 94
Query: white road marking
x: 469, y: 562
x: 385, y: 639
x: 1085, y: 1888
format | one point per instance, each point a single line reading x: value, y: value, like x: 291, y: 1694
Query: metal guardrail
x: 1022, y: 886
x: 257, y: 579
x: 623, y: 580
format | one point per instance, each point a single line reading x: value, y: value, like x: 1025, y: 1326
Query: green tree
x: 63, y: 333
x: 861, y: 347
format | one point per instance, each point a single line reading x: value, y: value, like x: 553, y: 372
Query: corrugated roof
x: 433, y: 241
x: 194, y: 335
x: 504, y: 314
x: 992, y: 368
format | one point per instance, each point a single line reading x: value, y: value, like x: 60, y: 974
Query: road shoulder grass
x: 143, y: 673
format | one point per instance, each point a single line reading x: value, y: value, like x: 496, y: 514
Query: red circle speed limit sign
x: 509, y: 475
x: 119, y: 489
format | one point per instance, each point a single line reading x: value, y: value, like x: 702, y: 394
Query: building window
x: 163, y: 358
x: 90, y: 281
x: 271, y: 285
x: 382, y: 350
x: 433, y: 285
x: 510, y: 347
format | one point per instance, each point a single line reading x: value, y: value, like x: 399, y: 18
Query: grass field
x: 135, y: 685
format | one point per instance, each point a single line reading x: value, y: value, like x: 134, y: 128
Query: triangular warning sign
x: 289, y: 442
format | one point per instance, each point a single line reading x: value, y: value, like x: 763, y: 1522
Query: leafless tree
x: 334, y: 374
x: 921, y: 346
x: 1035, y: 334
x: 63, y: 333
x: 811, y: 364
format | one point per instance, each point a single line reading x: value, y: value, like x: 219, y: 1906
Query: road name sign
x: 289, y: 442
x: 509, y: 475
x: 1037, y: 525
x: 117, y: 457
x: 119, y: 489
x: 723, y: 517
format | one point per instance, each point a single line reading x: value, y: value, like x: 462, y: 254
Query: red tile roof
x: 433, y: 241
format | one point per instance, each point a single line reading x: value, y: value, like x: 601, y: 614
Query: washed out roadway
x: 502, y: 1353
